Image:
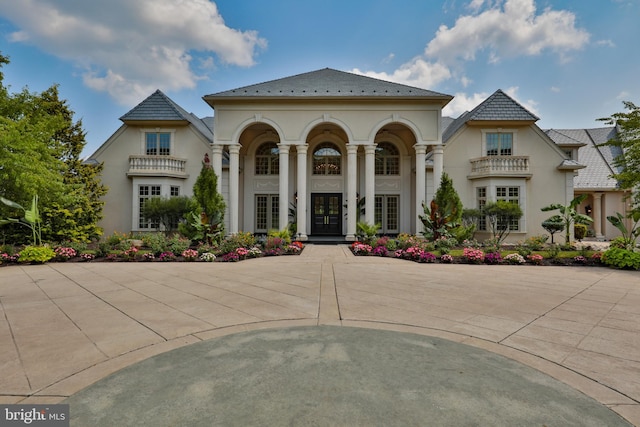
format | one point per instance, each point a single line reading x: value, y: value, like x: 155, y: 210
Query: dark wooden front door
x: 326, y: 218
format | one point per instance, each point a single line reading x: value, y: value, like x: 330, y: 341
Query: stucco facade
x: 325, y: 149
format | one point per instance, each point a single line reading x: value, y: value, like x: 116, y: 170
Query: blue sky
x: 568, y: 61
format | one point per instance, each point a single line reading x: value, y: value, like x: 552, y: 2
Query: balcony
x: 500, y: 166
x: 161, y: 166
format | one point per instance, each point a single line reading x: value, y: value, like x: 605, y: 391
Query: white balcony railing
x: 156, y: 165
x: 510, y: 166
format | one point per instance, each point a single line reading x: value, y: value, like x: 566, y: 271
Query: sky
x: 569, y: 62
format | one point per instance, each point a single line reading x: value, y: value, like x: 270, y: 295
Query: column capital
x: 217, y: 148
x: 284, y: 148
x: 352, y: 149
x: 420, y: 149
x: 302, y: 148
x: 438, y: 149
x: 234, y: 149
x: 370, y: 148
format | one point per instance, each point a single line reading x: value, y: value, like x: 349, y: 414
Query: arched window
x: 267, y: 159
x: 326, y: 159
x: 387, y: 159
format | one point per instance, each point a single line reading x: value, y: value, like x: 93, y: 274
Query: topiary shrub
x: 621, y: 258
x: 579, y: 231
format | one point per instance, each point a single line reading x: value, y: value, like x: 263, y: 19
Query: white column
x: 217, y: 164
x: 597, y: 215
x: 283, y: 209
x: 234, y: 187
x: 421, y: 152
x: 301, y: 203
x: 370, y: 182
x: 438, y: 166
x: 352, y: 191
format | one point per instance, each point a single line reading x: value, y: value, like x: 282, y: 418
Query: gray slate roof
x: 498, y: 107
x: 159, y: 107
x: 328, y: 83
x: 598, y: 160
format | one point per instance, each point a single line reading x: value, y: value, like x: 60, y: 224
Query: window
x: 175, y: 191
x: 146, y: 192
x: 387, y: 159
x: 326, y: 160
x: 267, y: 212
x: 511, y: 195
x: 481, y: 197
x: 267, y: 160
x: 386, y: 213
x: 499, y: 144
x: 158, y: 143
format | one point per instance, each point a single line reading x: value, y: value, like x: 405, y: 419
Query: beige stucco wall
x: 120, y: 211
x: 546, y: 185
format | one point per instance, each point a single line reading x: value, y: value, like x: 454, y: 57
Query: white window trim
x: 165, y: 191
x: 514, y: 132
x: 492, y: 185
x: 143, y: 139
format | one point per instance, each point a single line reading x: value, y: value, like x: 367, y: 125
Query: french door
x: 326, y: 219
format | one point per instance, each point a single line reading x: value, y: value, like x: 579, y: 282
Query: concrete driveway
x: 65, y: 326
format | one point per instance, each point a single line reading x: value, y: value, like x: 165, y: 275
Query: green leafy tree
x: 500, y: 215
x: 628, y: 139
x: 553, y: 225
x: 40, y: 149
x: 569, y: 214
x: 168, y: 212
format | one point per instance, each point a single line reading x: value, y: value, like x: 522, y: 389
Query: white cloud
x: 555, y: 89
x: 607, y: 43
x: 417, y: 72
x: 512, y: 30
x: 388, y: 58
x: 623, y: 96
x: 529, y: 104
x: 463, y: 102
x: 129, y: 48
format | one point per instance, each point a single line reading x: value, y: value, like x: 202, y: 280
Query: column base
x: 302, y: 237
x: 350, y: 238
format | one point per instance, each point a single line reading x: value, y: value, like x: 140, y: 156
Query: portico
x: 309, y: 148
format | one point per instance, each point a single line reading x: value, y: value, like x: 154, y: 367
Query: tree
x: 628, y: 140
x: 444, y: 212
x: 553, y: 225
x: 167, y: 212
x: 207, y: 221
x: 569, y: 215
x: 40, y: 147
x: 500, y: 215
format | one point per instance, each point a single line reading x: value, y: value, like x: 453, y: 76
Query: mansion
x: 327, y: 149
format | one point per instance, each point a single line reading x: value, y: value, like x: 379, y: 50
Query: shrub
x: 235, y: 241
x: 230, y: 257
x: 360, y: 248
x: 115, y: 238
x: 207, y: 257
x: 622, y: 258
x: 130, y: 254
x: 64, y: 253
x: 473, y: 256
x: 579, y: 231
x: 167, y: 256
x: 189, y: 254
x: 36, y: 254
x: 427, y: 257
x: 380, y: 250
x: 157, y: 242
x: 535, y: 259
x: 177, y: 244
x: 446, y: 258
x: 87, y: 256
x: 514, y: 259
x: 493, y: 258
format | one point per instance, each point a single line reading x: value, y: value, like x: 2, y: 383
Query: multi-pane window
x: 146, y: 192
x: 267, y: 160
x: 511, y: 195
x: 481, y: 197
x: 267, y: 212
x: 174, y: 191
x: 158, y: 143
x: 499, y: 144
x: 387, y: 159
x: 386, y: 213
x: 326, y: 160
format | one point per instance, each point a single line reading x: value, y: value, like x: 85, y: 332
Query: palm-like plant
x: 569, y: 214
